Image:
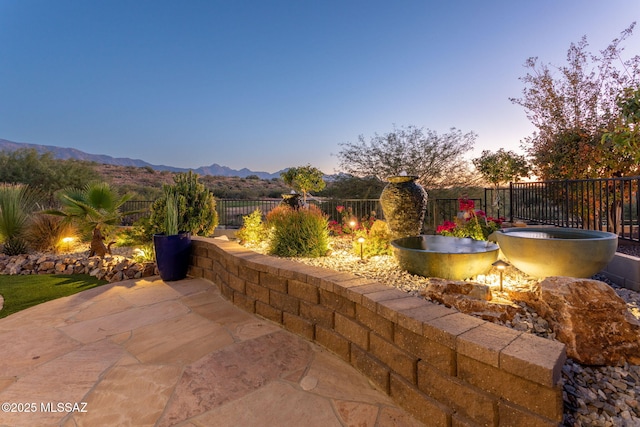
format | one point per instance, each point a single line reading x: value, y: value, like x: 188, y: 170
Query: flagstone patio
x: 150, y: 353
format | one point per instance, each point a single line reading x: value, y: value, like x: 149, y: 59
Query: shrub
x: 376, y: 240
x: 136, y: 235
x: 298, y: 232
x: 196, y: 207
x: 45, y: 232
x: 17, y: 202
x: 253, y: 230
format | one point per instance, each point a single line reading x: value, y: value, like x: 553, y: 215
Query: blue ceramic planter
x: 172, y: 255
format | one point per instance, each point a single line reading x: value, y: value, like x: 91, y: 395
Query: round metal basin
x: 443, y: 256
x: 544, y: 252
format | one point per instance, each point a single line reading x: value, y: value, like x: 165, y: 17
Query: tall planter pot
x: 172, y: 255
x: 404, y: 202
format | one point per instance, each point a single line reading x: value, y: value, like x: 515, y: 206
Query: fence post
x: 511, y: 202
x: 566, y: 203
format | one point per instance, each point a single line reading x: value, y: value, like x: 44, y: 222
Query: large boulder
x: 589, y: 318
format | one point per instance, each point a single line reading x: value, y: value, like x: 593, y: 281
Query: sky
x: 271, y: 84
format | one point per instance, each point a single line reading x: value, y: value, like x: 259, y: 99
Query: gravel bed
x: 593, y: 396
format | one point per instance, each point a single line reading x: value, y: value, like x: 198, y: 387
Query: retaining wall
x: 444, y: 367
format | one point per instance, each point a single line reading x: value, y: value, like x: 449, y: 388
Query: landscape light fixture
x: 67, y: 241
x: 500, y: 265
x: 361, y: 241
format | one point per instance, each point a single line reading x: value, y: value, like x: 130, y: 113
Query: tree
x: 43, y: 172
x: 437, y: 160
x: 573, y: 110
x: 501, y: 167
x: 625, y: 138
x: 304, y: 179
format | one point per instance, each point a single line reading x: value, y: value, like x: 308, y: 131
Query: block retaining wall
x: 444, y: 367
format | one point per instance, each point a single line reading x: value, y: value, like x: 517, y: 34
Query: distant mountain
x: 72, y: 153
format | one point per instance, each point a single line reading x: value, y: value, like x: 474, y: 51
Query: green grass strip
x: 21, y: 292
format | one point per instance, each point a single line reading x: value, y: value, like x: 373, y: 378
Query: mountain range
x: 72, y: 153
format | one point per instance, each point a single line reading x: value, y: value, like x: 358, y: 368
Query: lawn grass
x: 24, y: 291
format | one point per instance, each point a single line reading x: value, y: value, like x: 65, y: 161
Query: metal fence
x: 599, y: 204
x: 232, y: 211
x: 609, y: 204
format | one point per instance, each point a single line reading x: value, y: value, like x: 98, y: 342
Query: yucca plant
x: 17, y: 203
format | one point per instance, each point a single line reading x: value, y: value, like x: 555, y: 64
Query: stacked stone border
x: 444, y: 367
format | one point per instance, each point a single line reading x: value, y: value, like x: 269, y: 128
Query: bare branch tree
x: 437, y: 160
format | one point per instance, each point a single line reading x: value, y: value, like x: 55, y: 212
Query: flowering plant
x: 348, y: 223
x: 470, y: 223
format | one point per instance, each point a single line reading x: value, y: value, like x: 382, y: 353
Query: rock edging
x: 112, y: 268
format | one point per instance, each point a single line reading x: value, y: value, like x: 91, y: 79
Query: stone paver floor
x: 150, y: 353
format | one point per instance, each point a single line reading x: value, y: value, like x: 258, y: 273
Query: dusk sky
x: 271, y: 84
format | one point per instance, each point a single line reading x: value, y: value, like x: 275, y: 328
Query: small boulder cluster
x: 112, y: 268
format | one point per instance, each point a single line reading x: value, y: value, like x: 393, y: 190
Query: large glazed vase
x: 404, y: 202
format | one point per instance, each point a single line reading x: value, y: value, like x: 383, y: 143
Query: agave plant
x: 17, y: 203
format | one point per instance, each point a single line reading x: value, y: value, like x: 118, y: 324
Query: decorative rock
x: 589, y: 318
x: 438, y: 286
x: 470, y: 298
x: 111, y: 268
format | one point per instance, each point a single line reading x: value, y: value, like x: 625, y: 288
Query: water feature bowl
x: 443, y: 256
x: 555, y: 251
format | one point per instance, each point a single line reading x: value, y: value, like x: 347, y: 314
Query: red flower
x: 340, y: 209
x: 466, y: 204
x: 446, y: 226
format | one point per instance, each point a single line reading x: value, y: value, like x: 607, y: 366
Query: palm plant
x: 17, y: 203
x: 94, y: 207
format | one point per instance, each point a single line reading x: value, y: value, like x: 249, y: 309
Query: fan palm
x: 93, y: 208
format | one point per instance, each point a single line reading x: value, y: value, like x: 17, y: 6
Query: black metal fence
x: 610, y: 204
x: 231, y: 211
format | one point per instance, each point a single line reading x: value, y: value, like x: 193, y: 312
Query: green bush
x: 298, y: 232
x: 196, y: 206
x: 376, y: 240
x: 253, y: 230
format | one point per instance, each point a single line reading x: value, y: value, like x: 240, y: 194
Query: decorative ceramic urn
x: 404, y: 202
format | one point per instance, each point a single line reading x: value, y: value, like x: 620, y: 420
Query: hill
x: 146, y: 183
x: 72, y: 153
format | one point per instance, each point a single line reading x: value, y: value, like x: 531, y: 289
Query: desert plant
x: 196, y: 206
x: 298, y: 232
x: 253, y: 230
x: 46, y: 232
x: 95, y: 209
x: 171, y: 215
x: 17, y: 202
x: 94, y: 206
x: 376, y: 240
